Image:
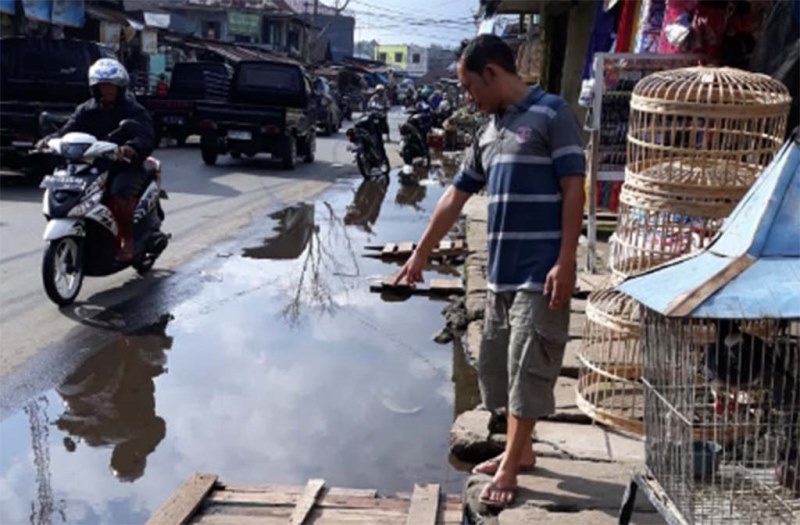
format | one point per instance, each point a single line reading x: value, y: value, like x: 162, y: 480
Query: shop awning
x: 110, y: 15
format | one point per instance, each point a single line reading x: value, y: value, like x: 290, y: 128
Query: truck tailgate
x: 228, y: 115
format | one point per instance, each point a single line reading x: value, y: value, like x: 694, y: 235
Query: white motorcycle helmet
x: 110, y: 71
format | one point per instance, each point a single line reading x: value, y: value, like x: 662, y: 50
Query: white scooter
x: 81, y: 231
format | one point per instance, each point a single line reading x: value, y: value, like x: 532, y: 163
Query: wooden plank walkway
x: 205, y: 500
x: 447, y: 250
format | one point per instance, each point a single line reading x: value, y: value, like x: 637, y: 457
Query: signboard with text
x: 244, y: 24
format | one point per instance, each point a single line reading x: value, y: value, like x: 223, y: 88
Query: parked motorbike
x: 413, y: 145
x: 81, y: 231
x: 346, y: 106
x: 367, y: 143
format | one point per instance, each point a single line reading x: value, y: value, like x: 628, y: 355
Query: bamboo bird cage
x: 697, y: 139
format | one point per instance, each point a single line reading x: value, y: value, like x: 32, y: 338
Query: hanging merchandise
x: 602, y: 37
x: 741, y: 33
x: 677, y: 28
x: 651, y: 20
x: 626, y: 30
x: 708, y: 27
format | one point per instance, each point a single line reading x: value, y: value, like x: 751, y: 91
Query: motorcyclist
x: 380, y: 102
x: 110, y: 104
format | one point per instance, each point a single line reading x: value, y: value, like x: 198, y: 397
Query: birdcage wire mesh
x: 697, y: 139
x: 722, y: 417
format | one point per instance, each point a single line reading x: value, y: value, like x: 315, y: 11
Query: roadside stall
x: 697, y: 139
x: 721, y: 372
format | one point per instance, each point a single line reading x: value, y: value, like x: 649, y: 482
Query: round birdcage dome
x: 702, y: 134
x: 711, y: 91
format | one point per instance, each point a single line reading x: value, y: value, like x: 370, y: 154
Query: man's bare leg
x: 526, y: 463
x: 518, y: 445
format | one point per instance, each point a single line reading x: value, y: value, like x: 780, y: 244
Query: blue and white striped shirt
x: 520, y: 156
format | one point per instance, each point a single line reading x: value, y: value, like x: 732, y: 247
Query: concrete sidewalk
x: 582, y: 468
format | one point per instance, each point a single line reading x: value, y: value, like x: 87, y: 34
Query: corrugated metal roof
x: 752, y: 269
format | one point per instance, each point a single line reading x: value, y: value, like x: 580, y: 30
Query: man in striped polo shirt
x: 530, y: 160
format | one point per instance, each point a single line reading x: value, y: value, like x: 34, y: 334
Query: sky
x: 420, y: 22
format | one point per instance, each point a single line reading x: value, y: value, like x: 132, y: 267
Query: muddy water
x: 283, y: 366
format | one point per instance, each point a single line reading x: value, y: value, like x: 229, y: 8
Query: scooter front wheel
x: 62, y: 270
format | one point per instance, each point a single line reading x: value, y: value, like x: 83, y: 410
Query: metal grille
x: 722, y: 417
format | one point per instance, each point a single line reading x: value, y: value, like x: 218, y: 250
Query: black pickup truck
x: 36, y: 75
x: 175, y: 115
x: 270, y: 109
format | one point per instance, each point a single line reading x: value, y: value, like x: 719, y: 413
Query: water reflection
x: 363, y: 212
x: 110, y: 400
x: 294, y: 227
x: 45, y: 505
x: 411, y: 194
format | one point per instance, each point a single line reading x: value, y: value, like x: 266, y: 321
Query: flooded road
x: 282, y: 366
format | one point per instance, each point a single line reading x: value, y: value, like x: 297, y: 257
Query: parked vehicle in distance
x: 175, y: 115
x: 270, y: 109
x: 329, y: 114
x: 38, y: 75
x: 367, y: 144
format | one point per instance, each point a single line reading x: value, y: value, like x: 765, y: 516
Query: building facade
x: 411, y: 59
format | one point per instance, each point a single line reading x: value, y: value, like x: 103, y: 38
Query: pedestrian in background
x: 530, y: 159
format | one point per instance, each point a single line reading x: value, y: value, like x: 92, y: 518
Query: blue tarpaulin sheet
x: 8, y: 6
x: 38, y: 9
x: 68, y: 13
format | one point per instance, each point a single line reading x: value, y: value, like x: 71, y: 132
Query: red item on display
x: 626, y: 29
x: 678, y: 13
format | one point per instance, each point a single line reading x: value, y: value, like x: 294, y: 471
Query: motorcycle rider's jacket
x: 91, y: 118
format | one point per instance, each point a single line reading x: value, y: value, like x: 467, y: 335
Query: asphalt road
x: 207, y: 205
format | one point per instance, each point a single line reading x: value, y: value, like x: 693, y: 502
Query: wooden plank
x: 685, y: 303
x: 355, y: 516
x: 225, y: 519
x: 307, y: 501
x: 437, y: 287
x: 406, y: 247
x: 183, y: 503
x: 389, y: 248
x: 253, y: 498
x: 424, y: 505
x: 328, y: 500
x: 446, y: 285
x: 295, y: 489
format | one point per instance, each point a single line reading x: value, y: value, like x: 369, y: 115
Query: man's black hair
x: 483, y: 50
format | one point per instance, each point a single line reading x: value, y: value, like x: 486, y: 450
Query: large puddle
x: 282, y: 367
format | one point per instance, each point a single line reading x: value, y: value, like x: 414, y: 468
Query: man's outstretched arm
x: 444, y: 217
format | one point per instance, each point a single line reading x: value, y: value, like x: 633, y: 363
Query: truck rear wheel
x: 310, y: 148
x: 289, y: 157
x: 209, y: 148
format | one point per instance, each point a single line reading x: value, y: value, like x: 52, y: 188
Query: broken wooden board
x: 444, y: 287
x: 445, y: 250
x: 229, y: 504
